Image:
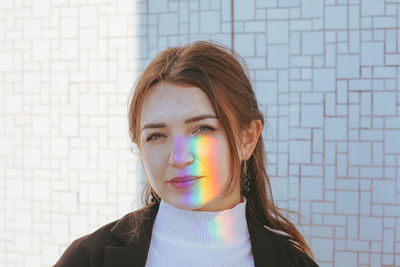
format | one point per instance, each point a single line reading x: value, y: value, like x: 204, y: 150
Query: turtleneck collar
x: 202, y: 227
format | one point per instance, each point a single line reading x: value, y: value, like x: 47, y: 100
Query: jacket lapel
x: 266, y: 247
x: 136, y: 244
x: 132, y: 256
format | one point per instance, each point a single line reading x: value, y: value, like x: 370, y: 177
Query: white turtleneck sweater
x: 200, y: 238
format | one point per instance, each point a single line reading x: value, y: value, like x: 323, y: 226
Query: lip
x: 183, y: 182
x: 185, y: 178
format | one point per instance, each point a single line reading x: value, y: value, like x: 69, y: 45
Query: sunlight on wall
x: 66, y: 73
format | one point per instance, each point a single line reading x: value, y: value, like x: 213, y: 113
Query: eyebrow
x: 189, y: 120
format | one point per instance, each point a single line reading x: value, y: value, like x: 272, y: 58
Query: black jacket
x: 113, y: 245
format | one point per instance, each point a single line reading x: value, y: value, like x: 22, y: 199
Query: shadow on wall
x: 326, y: 74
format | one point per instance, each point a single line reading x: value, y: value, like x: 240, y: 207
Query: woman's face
x: 184, y: 149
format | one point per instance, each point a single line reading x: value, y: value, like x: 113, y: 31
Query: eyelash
x: 150, y: 138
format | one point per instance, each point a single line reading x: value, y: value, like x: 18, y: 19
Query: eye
x: 205, y: 128
x: 154, y: 137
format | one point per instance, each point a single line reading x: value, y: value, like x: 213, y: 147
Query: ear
x: 249, y: 139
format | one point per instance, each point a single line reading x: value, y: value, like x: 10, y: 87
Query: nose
x: 181, y: 155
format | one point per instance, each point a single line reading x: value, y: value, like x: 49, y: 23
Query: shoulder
x: 86, y: 249
x: 273, y: 248
x: 294, y: 255
x: 89, y: 250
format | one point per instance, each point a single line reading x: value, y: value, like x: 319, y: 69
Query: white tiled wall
x: 326, y: 73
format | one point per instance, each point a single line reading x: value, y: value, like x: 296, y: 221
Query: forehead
x: 166, y: 101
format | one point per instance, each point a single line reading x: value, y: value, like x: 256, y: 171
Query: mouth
x: 184, y: 182
x: 183, y: 179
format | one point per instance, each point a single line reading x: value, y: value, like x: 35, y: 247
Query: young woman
x: 196, y: 122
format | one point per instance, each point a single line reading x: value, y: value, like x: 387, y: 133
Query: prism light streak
x: 222, y: 228
x: 203, y: 149
x: 207, y: 188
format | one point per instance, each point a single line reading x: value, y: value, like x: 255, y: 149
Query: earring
x: 154, y: 197
x: 245, y: 180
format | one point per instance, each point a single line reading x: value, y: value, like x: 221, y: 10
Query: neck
x: 223, y: 202
x: 203, y: 227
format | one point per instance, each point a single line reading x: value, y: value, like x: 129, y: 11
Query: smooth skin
x: 174, y: 117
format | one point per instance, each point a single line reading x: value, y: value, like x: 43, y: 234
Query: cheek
x: 153, y: 163
x: 213, y: 162
x: 222, y: 159
x: 213, y: 153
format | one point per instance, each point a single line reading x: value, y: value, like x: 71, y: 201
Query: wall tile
x: 312, y: 115
x: 324, y: 80
x: 335, y: 129
x: 359, y: 153
x: 335, y: 17
x: 311, y: 9
x: 391, y: 141
x: 384, y: 103
x: 372, y: 53
x: 311, y: 188
x: 312, y: 43
x: 278, y: 56
x: 304, y: 147
x: 347, y: 202
x: 345, y: 259
x: 384, y: 192
x: 277, y: 32
x: 348, y: 66
x: 244, y: 10
x: 370, y: 228
x: 372, y: 7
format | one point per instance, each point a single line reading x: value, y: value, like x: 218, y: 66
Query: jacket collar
x: 266, y: 248
x: 136, y: 244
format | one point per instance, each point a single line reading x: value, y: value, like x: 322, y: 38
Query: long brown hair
x: 219, y: 73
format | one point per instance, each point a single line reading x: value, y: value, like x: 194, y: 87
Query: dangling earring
x: 154, y: 197
x: 245, y: 180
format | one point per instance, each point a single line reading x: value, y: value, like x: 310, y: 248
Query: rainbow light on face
x: 223, y: 228
x: 203, y: 149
